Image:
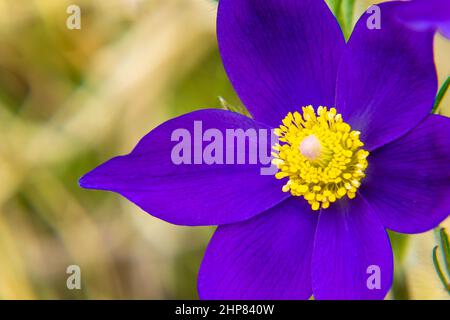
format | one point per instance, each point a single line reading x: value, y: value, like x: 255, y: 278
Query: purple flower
x: 426, y: 15
x: 372, y: 158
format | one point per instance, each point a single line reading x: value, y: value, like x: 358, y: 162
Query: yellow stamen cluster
x: 328, y: 165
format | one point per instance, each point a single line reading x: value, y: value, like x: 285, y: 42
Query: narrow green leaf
x: 439, y: 270
x: 445, y: 248
x: 440, y: 96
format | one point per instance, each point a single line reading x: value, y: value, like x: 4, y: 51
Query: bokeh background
x: 71, y: 99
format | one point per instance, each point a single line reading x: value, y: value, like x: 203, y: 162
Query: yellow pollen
x: 321, y: 156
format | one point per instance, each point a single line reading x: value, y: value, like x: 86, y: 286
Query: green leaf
x: 445, y: 250
x: 439, y: 270
x: 440, y: 96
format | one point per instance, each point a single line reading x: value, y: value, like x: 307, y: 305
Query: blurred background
x: 71, y: 99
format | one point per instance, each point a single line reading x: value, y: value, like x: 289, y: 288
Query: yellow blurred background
x: 71, y: 99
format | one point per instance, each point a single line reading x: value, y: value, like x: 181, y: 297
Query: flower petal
x: 192, y: 194
x: 387, y: 79
x: 445, y: 30
x: 426, y: 15
x: 267, y: 257
x: 279, y: 55
x: 351, y: 253
x: 408, y: 180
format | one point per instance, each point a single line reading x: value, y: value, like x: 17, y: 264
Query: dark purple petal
x: 280, y: 55
x: 426, y: 15
x: 387, y: 79
x: 267, y: 257
x: 190, y: 194
x: 351, y: 253
x: 408, y: 180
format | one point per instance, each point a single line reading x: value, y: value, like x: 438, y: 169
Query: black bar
x: 171, y: 309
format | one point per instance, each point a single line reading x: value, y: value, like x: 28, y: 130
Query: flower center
x: 321, y: 155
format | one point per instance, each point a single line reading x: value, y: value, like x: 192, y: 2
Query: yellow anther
x: 320, y: 155
x: 315, y: 205
x: 341, y: 192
